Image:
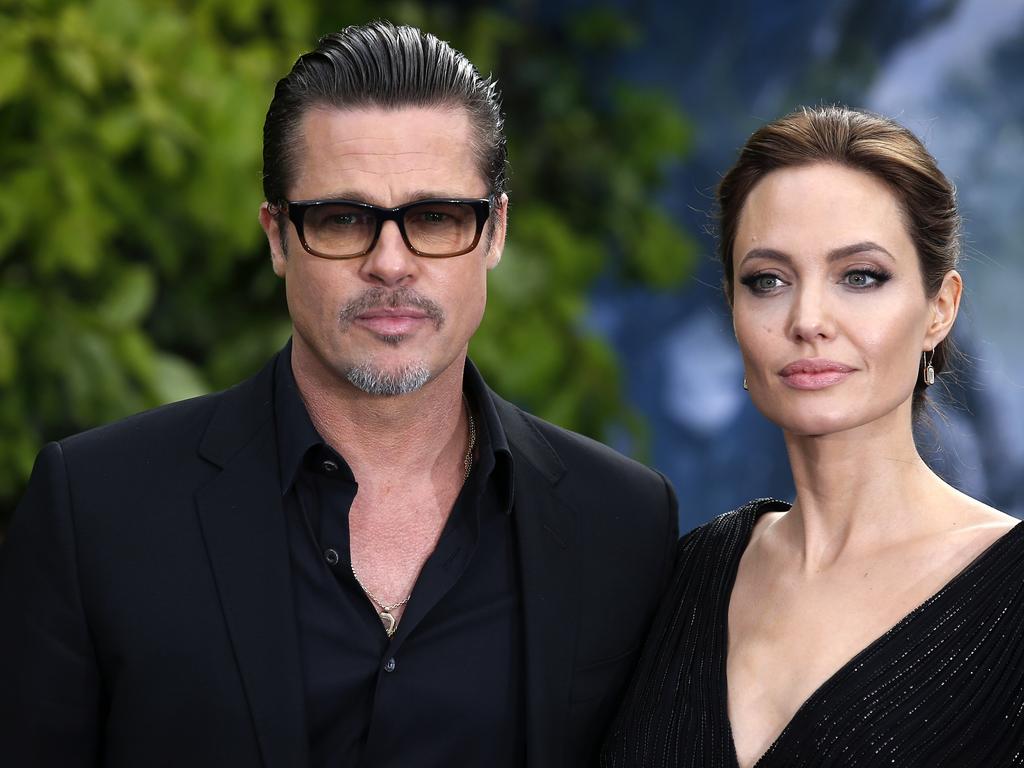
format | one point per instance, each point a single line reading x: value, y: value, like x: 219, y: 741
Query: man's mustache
x: 393, y: 299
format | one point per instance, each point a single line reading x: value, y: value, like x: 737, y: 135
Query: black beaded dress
x: 943, y: 687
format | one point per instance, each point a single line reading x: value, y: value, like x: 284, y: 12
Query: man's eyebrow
x: 834, y: 255
x: 365, y: 197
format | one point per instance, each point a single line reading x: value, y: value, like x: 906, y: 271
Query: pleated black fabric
x: 943, y: 687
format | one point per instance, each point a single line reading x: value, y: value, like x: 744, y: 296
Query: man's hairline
x: 370, y: 104
x: 324, y: 105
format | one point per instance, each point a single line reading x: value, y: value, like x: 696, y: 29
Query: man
x: 361, y: 556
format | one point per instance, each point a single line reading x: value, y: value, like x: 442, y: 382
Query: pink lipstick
x: 814, y: 373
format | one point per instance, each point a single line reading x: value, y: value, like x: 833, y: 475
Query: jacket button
x: 331, y: 556
x: 389, y: 665
x: 329, y: 466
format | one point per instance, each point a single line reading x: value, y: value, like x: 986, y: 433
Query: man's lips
x: 814, y: 373
x: 392, y: 321
x: 392, y: 312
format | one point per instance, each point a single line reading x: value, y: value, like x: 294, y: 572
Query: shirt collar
x: 492, y: 436
x: 296, y: 434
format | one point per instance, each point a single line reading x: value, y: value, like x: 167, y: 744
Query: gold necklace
x: 467, y: 460
x: 386, y: 612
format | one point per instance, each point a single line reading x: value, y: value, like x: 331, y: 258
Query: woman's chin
x: 821, y: 424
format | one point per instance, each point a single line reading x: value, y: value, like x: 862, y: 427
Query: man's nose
x: 390, y: 262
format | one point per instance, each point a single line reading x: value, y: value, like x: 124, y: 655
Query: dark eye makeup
x: 760, y: 283
x: 861, y: 278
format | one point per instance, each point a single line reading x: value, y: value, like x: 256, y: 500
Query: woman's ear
x: 944, y: 307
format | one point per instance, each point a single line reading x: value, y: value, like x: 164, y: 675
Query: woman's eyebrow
x: 861, y: 247
x: 834, y: 255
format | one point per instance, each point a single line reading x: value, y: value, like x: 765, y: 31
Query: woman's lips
x: 814, y: 373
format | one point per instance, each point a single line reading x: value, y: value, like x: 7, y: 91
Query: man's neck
x: 381, y: 436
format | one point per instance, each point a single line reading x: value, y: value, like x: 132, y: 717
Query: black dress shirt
x: 447, y: 689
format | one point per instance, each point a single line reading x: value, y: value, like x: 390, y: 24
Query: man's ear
x: 272, y: 229
x: 499, y: 224
x: 944, y: 307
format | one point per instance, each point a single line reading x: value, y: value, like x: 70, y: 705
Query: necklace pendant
x: 389, y: 622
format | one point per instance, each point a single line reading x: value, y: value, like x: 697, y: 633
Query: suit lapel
x: 242, y: 519
x: 546, y: 531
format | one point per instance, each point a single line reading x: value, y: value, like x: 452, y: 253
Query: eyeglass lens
x: 433, y: 229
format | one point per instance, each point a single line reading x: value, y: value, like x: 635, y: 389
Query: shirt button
x: 329, y: 466
x: 389, y: 665
x: 331, y: 556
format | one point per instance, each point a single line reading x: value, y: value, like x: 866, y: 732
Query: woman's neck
x: 860, y: 490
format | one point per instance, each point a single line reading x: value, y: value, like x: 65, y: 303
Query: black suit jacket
x: 146, y: 613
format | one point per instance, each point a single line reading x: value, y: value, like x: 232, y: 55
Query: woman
x: 878, y: 619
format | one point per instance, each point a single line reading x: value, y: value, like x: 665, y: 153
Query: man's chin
x: 388, y: 382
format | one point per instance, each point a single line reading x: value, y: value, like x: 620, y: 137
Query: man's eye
x: 434, y: 217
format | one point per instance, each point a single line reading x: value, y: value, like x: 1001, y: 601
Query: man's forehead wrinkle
x: 385, y: 154
x: 442, y: 138
x: 378, y: 140
x: 390, y: 172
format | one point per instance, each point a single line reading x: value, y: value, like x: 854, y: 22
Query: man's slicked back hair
x: 385, y: 66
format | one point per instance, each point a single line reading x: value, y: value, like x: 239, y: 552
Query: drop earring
x: 927, y: 369
x: 745, y: 383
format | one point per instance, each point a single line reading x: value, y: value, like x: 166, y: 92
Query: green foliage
x: 132, y: 267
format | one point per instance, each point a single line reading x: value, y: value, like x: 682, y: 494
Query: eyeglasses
x: 344, y: 229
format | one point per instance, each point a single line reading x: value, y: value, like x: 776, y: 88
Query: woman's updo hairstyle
x: 866, y: 142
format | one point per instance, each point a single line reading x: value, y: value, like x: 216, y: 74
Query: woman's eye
x: 865, y: 278
x: 763, y: 282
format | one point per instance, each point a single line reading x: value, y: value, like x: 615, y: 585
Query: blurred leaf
x: 176, y: 379
x: 119, y: 130
x: 14, y: 65
x: 8, y: 359
x: 129, y: 298
x: 79, y: 67
x: 660, y: 253
x: 604, y: 27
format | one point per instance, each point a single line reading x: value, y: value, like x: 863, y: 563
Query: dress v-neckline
x: 769, y: 505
